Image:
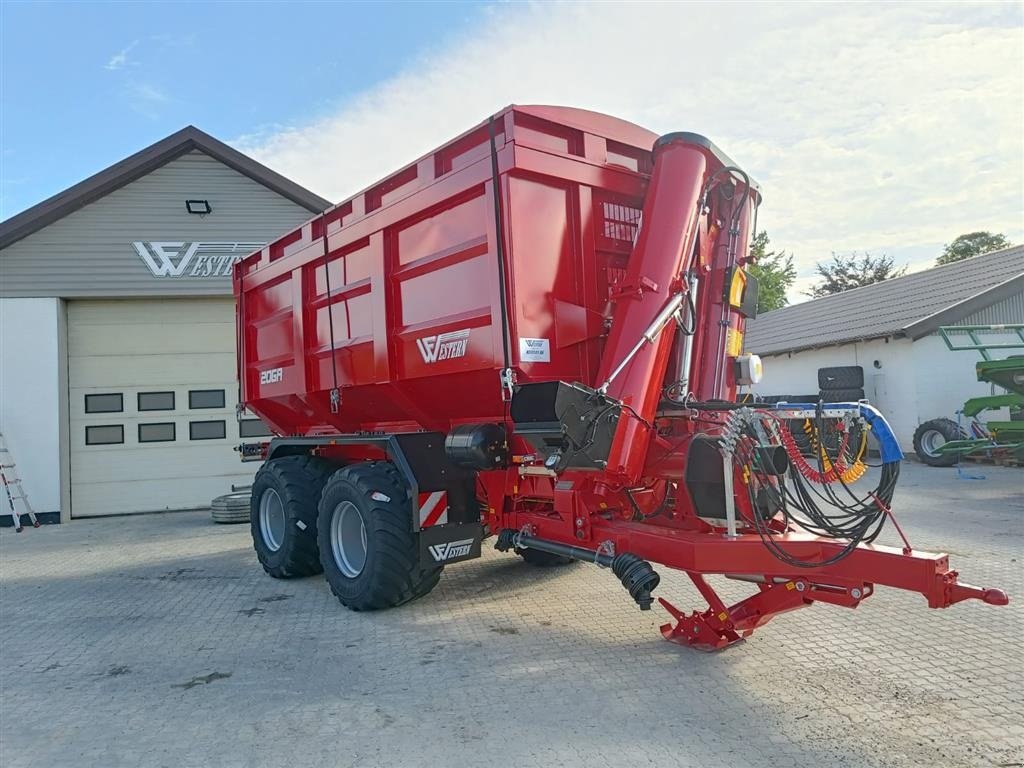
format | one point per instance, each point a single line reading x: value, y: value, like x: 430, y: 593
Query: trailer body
x: 536, y: 331
x: 415, y: 285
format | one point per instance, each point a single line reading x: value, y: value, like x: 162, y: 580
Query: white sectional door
x: 152, y: 393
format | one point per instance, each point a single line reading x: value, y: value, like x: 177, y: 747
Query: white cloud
x: 120, y: 59
x: 147, y: 99
x: 150, y: 93
x: 883, y: 127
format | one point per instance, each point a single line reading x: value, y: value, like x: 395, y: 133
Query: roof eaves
x: 918, y: 327
x: 965, y: 307
x: 856, y: 292
x: 140, y: 164
x: 786, y: 350
x: 258, y: 172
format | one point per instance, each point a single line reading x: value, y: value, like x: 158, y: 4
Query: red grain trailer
x: 418, y: 299
x: 536, y: 331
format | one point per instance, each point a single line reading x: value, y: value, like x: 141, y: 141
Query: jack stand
x: 719, y: 627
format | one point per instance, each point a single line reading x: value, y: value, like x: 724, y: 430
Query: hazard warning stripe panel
x: 433, y: 508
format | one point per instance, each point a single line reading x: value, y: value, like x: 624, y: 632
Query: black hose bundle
x: 846, y: 516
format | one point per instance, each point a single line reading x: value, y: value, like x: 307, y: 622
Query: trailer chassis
x: 574, y: 514
x: 745, y: 558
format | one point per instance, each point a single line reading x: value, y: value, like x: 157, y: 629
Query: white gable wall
x: 90, y: 253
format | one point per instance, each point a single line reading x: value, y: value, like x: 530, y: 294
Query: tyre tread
x: 398, y: 577
x: 841, y: 377
x: 302, y: 479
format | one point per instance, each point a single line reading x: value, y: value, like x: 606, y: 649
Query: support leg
x: 719, y: 627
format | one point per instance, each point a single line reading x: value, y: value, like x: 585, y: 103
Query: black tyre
x: 842, y: 395
x: 841, y: 377
x: 368, y: 551
x: 232, y: 508
x: 282, y: 514
x: 932, y: 435
x: 542, y: 559
x: 803, y: 398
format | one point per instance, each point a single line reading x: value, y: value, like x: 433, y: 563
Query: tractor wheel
x: 368, y: 550
x: 841, y: 377
x: 931, y: 435
x: 282, y: 514
x: 542, y: 559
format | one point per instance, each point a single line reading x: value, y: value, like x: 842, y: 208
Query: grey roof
x: 143, y: 162
x: 912, y: 306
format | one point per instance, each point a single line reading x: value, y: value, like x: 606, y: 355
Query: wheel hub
x: 348, y: 539
x: 272, y: 519
x: 931, y: 441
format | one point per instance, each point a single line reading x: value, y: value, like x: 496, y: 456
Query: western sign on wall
x: 143, y: 239
x: 177, y: 258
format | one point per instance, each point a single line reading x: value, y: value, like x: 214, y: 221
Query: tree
x: 846, y: 272
x: 775, y: 274
x: 971, y: 244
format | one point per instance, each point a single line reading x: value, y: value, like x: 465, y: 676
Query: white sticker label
x: 534, y: 351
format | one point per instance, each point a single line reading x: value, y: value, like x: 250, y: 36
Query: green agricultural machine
x: 942, y: 442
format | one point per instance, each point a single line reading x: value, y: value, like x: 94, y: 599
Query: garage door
x: 152, y: 396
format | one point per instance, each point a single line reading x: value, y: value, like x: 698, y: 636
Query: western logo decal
x: 444, y: 346
x: 451, y: 549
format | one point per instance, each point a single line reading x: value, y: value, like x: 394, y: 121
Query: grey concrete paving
x: 158, y: 641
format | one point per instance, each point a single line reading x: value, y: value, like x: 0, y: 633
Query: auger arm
x: 659, y: 462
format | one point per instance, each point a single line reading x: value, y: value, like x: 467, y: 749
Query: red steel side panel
x: 401, y: 308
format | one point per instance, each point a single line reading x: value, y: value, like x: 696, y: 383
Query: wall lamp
x: 199, y: 207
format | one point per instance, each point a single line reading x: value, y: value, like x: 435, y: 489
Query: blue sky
x: 887, y: 127
x: 85, y: 84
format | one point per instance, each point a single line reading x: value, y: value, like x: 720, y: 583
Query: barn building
x: 117, y: 330
x: 890, y: 330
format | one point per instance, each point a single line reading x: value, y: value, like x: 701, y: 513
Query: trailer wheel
x: 931, y: 435
x: 369, y: 553
x: 282, y: 514
x: 542, y: 559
